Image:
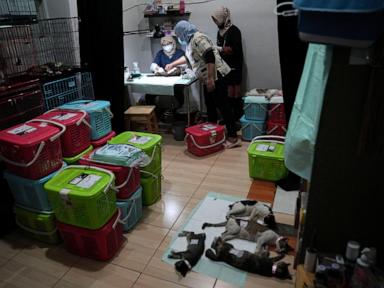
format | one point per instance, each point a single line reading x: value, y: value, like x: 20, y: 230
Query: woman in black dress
x: 229, y: 43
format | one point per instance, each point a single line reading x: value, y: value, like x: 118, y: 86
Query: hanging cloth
x: 303, y: 124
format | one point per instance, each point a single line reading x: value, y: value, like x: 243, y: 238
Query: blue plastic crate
x: 131, y: 209
x: 251, y: 129
x: 99, y: 113
x: 255, y: 108
x: 30, y: 193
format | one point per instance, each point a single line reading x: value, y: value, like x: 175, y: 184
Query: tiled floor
x: 187, y: 179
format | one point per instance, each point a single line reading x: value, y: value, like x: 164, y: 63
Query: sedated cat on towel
x: 260, y: 264
x: 189, y: 257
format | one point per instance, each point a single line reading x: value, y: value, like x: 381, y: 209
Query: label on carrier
x: 21, y: 130
x: 63, y: 117
x: 208, y: 127
x: 85, y: 180
x: 265, y: 148
x: 140, y: 139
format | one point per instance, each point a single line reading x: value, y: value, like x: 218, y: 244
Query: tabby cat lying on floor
x: 260, y: 264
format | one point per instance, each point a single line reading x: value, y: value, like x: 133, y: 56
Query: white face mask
x: 168, y: 48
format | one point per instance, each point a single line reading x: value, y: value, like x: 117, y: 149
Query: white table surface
x: 158, y: 85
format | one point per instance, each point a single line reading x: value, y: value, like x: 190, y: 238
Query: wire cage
x: 17, y: 12
x: 50, y: 47
x: 68, y: 89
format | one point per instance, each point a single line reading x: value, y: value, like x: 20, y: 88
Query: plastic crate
x: 276, y: 128
x: 276, y: 112
x: 77, y: 136
x: 30, y: 193
x: 32, y: 150
x: 39, y: 225
x: 82, y: 196
x: 255, y: 108
x: 151, y: 187
x: 102, y: 141
x: 131, y: 209
x: 266, y: 158
x: 99, y: 112
x: 150, y: 144
x: 101, y: 244
x: 251, y: 129
x: 75, y: 159
x: 127, y: 178
x: 204, y: 139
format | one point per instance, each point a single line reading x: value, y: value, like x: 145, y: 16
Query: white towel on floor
x: 285, y: 201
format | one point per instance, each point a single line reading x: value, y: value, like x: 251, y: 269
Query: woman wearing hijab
x: 204, y: 58
x: 166, y: 55
x: 231, y: 50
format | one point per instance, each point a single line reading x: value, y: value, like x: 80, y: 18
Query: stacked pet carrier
x: 32, y: 154
x: 263, y: 114
x: 127, y: 186
x: 150, y: 172
x: 83, y: 199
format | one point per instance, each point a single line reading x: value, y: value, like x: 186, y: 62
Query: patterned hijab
x: 185, y: 30
x: 168, y: 40
x: 222, y: 16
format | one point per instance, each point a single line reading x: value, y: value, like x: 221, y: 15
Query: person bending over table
x: 205, y: 60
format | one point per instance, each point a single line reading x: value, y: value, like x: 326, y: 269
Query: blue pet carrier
x: 251, y: 129
x: 30, y: 193
x: 99, y: 113
x: 255, y: 108
x: 131, y: 209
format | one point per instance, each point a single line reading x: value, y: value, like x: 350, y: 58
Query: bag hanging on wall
x: 347, y: 23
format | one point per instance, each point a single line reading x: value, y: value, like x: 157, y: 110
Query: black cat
x: 260, y: 264
x: 193, y: 253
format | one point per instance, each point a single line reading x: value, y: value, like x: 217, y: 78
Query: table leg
x: 188, y: 107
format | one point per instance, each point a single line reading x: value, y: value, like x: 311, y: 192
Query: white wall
x: 59, y: 8
x: 255, y: 19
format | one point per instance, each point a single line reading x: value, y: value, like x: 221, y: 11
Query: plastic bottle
x: 182, y: 7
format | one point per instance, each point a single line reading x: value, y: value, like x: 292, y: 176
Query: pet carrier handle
x: 35, y: 231
x: 99, y: 169
x: 82, y: 119
x: 109, y: 112
x: 126, y: 180
x: 152, y: 156
x: 133, y: 205
x: 206, y: 146
x: 117, y: 218
x: 53, y: 138
x: 269, y: 138
x: 41, y: 146
x: 154, y: 176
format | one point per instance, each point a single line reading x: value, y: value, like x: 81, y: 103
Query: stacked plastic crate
x: 127, y: 186
x: 255, y: 115
x: 100, y: 119
x: 83, y: 199
x: 150, y: 144
x: 76, y: 140
x: 32, y: 154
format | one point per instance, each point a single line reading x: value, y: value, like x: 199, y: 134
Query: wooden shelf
x: 173, y: 14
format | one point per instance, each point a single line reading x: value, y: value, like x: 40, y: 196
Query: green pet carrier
x: 266, y: 158
x: 150, y: 144
x: 82, y: 196
x: 151, y: 187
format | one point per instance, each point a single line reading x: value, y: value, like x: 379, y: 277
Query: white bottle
x: 136, y: 69
x: 126, y: 74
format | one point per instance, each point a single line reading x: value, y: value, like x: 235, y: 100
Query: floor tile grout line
x: 170, y: 281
